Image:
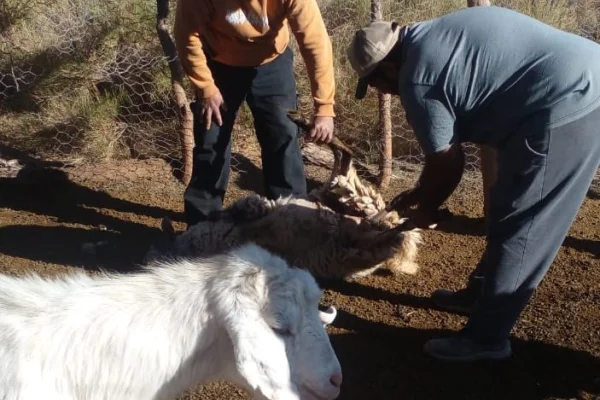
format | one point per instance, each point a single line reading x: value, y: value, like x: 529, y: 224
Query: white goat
x: 244, y: 316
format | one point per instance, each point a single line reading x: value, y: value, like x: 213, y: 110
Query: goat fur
x: 156, y: 333
x: 343, y: 230
x: 305, y: 233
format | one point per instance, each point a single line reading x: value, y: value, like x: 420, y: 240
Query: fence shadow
x: 49, y: 194
x: 353, y: 288
x: 586, y: 245
x: 46, y: 190
x: 382, y: 361
x: 90, y: 249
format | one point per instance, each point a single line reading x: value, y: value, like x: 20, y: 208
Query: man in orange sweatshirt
x: 238, y: 50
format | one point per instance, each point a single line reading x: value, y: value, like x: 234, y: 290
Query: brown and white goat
x: 342, y: 230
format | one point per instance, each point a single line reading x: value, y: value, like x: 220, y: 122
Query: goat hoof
x: 328, y: 316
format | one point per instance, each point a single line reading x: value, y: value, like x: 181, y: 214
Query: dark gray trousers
x: 270, y: 91
x: 543, y: 177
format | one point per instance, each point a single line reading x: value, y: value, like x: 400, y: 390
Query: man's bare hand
x: 322, y: 131
x: 211, y: 108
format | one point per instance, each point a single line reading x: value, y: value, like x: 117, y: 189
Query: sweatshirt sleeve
x: 308, y: 27
x: 191, y: 18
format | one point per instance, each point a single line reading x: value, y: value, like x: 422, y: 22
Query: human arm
x: 309, y: 29
x: 191, y: 18
x: 433, y: 121
x: 441, y: 175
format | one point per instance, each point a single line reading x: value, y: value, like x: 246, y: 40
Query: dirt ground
x: 51, y: 222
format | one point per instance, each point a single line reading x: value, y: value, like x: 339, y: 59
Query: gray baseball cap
x: 370, y: 45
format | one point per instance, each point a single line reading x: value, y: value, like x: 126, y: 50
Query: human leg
x: 212, y: 150
x: 463, y: 300
x: 542, y: 182
x: 272, y: 94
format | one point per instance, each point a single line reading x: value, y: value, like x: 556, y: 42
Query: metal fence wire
x: 86, y: 81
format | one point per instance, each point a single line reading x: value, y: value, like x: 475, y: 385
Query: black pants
x: 543, y: 177
x: 270, y: 91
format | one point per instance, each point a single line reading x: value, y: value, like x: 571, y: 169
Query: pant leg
x: 477, y: 276
x: 272, y: 94
x: 543, y: 179
x: 212, y: 150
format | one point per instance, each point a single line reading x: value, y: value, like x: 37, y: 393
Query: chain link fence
x: 87, y: 82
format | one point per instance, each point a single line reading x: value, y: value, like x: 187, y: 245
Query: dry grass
x: 87, y: 80
x: 84, y: 79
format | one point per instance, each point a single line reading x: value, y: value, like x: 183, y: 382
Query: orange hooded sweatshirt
x: 251, y: 33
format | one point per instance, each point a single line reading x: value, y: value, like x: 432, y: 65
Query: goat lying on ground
x: 306, y: 234
x: 244, y: 316
x: 342, y: 230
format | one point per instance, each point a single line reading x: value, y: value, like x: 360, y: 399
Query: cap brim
x: 361, y: 88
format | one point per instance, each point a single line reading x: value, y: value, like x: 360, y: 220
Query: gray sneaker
x: 461, y: 301
x: 461, y: 349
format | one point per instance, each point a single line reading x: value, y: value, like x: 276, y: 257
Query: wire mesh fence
x: 86, y: 81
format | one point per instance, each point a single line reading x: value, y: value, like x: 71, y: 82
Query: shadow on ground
x: 250, y: 176
x: 462, y: 225
x: 90, y: 249
x: 380, y: 359
x: 355, y: 288
x: 47, y: 192
x: 587, y: 245
x: 594, y: 190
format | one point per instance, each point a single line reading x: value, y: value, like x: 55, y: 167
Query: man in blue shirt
x: 495, y: 77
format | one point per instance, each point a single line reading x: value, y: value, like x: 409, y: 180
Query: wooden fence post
x: 186, y: 119
x: 474, y: 3
x: 385, y: 119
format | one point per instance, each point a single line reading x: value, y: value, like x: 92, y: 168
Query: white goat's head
x: 280, y: 345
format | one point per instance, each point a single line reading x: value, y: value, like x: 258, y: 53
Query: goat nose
x: 336, y: 380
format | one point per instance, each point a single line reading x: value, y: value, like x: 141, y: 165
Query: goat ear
x: 327, y: 317
x: 259, y: 360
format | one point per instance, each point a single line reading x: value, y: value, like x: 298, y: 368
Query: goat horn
x: 306, y: 126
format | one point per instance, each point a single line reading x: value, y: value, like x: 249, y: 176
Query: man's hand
x: 404, y: 200
x: 322, y: 130
x: 419, y: 217
x: 427, y: 219
x: 211, y: 108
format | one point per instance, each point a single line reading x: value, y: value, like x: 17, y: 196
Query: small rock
x: 405, y: 313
